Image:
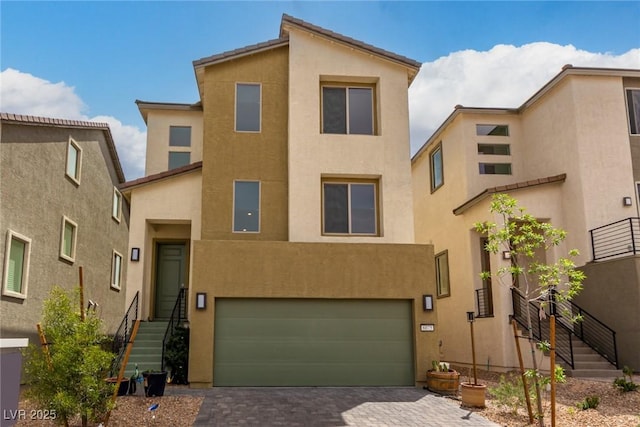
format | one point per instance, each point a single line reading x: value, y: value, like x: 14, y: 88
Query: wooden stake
x: 473, y: 357
x: 524, y: 377
x: 81, y: 295
x: 552, y: 357
x: 45, y: 345
x: 125, y: 360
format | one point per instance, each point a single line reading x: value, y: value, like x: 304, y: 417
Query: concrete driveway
x: 330, y: 406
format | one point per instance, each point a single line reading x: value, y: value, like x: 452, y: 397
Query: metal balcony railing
x: 616, y: 239
x: 123, y: 334
x: 484, y: 302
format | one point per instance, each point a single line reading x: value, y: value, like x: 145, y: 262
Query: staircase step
x: 587, y: 357
x: 595, y: 373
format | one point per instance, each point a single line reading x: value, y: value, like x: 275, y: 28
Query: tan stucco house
x: 571, y: 155
x: 60, y: 210
x: 282, y: 201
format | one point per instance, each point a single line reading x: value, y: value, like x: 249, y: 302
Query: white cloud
x: 505, y: 76
x: 23, y: 93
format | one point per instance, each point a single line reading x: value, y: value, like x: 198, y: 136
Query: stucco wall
x: 308, y: 270
x: 35, y: 195
x: 158, y: 124
x: 313, y: 154
x: 616, y: 283
x: 162, y: 211
x: 230, y: 155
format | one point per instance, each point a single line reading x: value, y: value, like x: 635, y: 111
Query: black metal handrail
x: 590, y: 330
x: 616, y: 239
x: 178, y: 314
x: 123, y: 334
x: 484, y: 301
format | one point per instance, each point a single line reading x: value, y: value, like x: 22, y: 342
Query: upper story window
x: 437, y: 172
x: 246, y: 206
x: 178, y: 159
x: 633, y: 105
x: 442, y: 274
x: 248, y: 107
x: 68, y: 239
x: 74, y: 161
x: 180, y: 136
x: 348, y: 109
x: 350, y: 207
x: 492, y: 130
x: 495, y: 168
x: 494, y: 149
x: 116, y: 208
x: 16, y: 265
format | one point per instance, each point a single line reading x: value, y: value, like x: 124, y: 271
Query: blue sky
x: 92, y: 60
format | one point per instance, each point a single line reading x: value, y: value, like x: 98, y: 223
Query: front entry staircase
x: 146, y: 352
x: 584, y: 349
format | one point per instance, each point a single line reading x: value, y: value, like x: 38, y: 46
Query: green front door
x: 170, y: 276
x: 313, y: 342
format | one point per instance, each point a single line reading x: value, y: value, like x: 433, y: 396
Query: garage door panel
x: 313, y: 342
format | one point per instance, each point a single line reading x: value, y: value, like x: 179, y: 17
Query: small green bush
x: 623, y: 384
x: 589, y: 402
x: 510, y: 392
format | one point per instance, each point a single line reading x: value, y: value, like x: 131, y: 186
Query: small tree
x: 522, y: 235
x: 70, y: 379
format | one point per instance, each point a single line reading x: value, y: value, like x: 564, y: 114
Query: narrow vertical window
x: 248, y: 107
x: 116, y: 209
x: 442, y: 274
x: 633, y: 104
x: 116, y: 270
x: 74, y: 161
x: 437, y: 173
x: 68, y: 240
x: 16, y: 265
x: 246, y: 206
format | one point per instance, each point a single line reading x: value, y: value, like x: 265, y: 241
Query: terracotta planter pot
x: 443, y: 382
x: 473, y: 395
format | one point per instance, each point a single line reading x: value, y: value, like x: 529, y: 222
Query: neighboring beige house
x: 282, y: 201
x: 570, y: 155
x: 60, y: 210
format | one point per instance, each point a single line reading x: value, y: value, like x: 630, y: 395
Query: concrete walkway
x: 329, y: 407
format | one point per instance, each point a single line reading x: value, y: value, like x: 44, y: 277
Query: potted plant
x: 154, y: 382
x: 441, y: 379
x: 473, y: 394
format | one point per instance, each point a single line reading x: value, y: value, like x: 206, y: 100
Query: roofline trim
x: 128, y: 186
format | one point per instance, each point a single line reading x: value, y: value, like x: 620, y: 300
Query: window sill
x: 13, y: 294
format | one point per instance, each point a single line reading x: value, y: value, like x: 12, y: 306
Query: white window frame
x: 346, y: 88
x: 442, y: 275
x: 116, y: 278
x: 233, y: 213
x: 78, y: 166
x: 349, y: 183
x: 11, y: 235
x: 626, y: 97
x: 64, y: 256
x: 235, y: 110
x: 116, y: 208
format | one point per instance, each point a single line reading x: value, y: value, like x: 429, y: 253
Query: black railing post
x: 633, y: 239
x: 593, y: 246
x: 571, y: 351
x: 615, y: 351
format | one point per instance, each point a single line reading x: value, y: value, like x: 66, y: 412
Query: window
x: 442, y: 274
x: 74, y: 161
x: 492, y: 130
x: 180, y: 136
x: 16, y: 265
x: 349, y: 207
x: 178, y: 159
x: 116, y: 270
x: 68, y: 239
x: 347, y: 110
x: 116, y: 209
x: 633, y: 104
x: 495, y: 168
x: 246, y: 206
x: 494, y: 149
x: 437, y: 174
x: 248, y: 107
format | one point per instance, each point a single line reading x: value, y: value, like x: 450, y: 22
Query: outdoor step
x: 593, y: 365
x: 595, y: 373
x: 587, y: 357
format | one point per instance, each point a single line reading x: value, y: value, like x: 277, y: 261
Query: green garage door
x: 313, y: 342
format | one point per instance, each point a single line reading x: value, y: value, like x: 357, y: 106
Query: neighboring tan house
x: 282, y: 201
x: 571, y: 156
x: 61, y: 210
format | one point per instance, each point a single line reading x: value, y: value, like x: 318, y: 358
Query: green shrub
x: 509, y: 392
x: 623, y: 384
x: 589, y: 402
x: 176, y: 355
x: 71, y: 381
